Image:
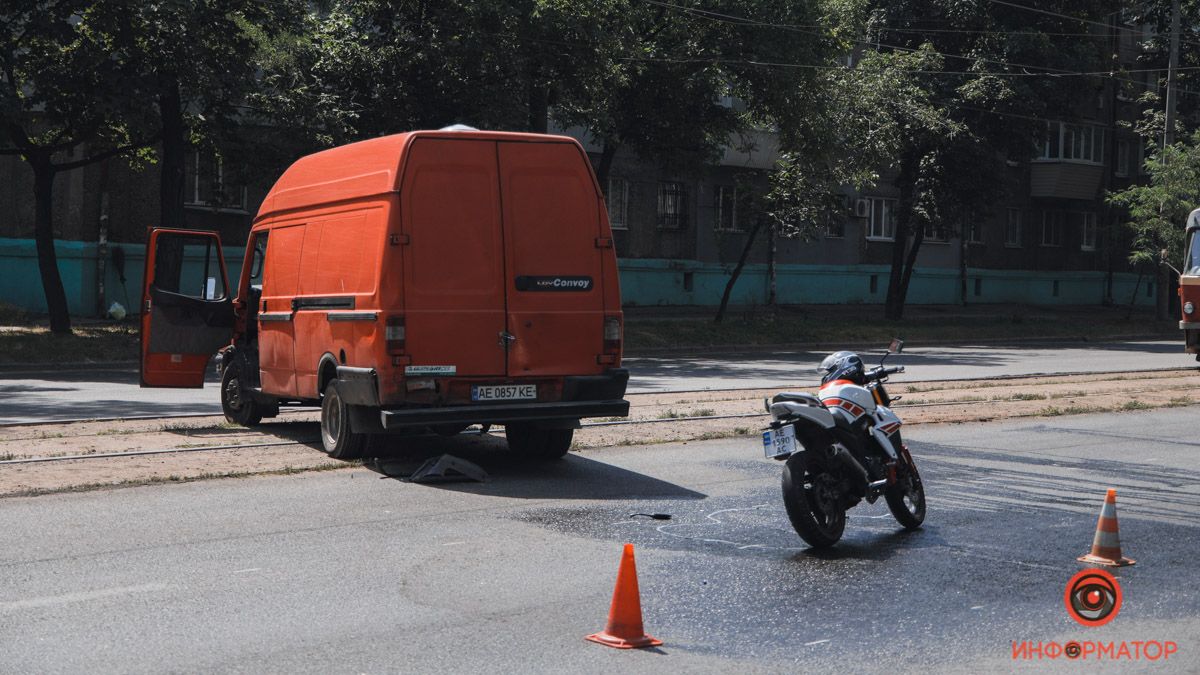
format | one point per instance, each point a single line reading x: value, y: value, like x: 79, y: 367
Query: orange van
x: 433, y: 279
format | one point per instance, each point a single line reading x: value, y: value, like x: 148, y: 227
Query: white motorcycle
x: 843, y: 446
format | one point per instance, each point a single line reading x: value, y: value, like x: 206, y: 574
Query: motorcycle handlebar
x: 881, y: 371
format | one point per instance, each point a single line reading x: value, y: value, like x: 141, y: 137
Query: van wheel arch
x: 326, y: 372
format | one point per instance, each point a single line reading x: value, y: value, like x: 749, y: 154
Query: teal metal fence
x: 644, y: 282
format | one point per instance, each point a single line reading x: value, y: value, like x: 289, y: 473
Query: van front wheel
x: 336, y: 436
x: 534, y: 442
x: 236, y: 402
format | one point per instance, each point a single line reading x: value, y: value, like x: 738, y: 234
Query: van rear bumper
x: 499, y: 414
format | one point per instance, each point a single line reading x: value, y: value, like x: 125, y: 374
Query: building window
x: 836, y: 229
x: 936, y: 234
x: 1087, y: 241
x: 726, y: 203
x: 1012, y: 229
x: 208, y: 185
x: 1052, y: 228
x: 617, y: 201
x: 974, y: 232
x: 1122, y: 167
x: 882, y: 223
x: 1076, y: 142
x: 672, y: 205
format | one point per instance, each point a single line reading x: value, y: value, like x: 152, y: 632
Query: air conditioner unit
x: 862, y: 208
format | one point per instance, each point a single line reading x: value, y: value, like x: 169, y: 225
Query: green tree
x: 1000, y: 72
x: 194, y: 62
x: 1158, y: 210
x: 64, y: 104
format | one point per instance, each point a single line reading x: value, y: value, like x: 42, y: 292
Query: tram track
x: 643, y: 403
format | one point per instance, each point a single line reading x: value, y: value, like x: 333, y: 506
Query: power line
x: 717, y: 16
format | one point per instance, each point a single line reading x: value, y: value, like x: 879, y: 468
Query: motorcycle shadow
x: 875, y: 545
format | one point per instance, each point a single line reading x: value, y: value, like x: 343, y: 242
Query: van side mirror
x: 897, y: 346
x: 1162, y: 260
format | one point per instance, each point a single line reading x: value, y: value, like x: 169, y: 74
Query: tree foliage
x: 1158, y: 210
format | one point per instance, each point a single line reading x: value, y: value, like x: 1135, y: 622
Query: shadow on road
x: 573, y: 477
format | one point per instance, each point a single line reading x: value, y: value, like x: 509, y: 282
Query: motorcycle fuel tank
x: 850, y: 397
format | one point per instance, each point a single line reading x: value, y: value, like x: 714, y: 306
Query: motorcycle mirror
x: 897, y: 346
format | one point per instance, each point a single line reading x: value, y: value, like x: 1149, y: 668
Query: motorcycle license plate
x: 779, y: 442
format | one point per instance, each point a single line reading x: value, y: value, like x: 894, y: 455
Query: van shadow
x: 573, y: 477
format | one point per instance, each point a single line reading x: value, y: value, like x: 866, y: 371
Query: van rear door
x: 552, y: 232
x: 187, y: 311
x: 454, y: 259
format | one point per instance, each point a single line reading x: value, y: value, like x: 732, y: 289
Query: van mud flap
x: 358, y: 386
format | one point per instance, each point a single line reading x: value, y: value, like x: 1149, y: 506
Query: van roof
x: 363, y: 169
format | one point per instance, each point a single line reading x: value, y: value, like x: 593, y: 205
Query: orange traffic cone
x: 1106, y: 547
x: 624, y: 629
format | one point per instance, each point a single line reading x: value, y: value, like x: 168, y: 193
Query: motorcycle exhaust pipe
x: 859, y: 481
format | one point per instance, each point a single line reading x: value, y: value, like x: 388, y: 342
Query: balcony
x: 1065, y: 179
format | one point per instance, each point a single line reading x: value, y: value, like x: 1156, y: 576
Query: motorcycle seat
x: 797, y: 397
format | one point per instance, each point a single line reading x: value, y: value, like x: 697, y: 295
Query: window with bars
x: 726, y: 206
x: 617, y: 202
x: 672, y: 205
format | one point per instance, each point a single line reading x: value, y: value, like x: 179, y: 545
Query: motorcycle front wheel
x: 906, y: 497
x: 812, y: 504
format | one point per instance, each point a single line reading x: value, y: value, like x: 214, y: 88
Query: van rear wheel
x: 339, y: 440
x: 536, y: 442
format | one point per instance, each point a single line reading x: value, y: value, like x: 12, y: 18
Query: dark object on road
x: 652, y: 516
x: 448, y: 469
x: 843, y: 446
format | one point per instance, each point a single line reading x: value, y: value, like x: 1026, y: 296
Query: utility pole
x: 1164, y: 278
x: 1172, y: 66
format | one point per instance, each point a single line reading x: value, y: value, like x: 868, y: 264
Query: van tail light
x: 394, y: 335
x: 612, y: 334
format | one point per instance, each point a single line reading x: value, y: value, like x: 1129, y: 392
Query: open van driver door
x: 187, y: 310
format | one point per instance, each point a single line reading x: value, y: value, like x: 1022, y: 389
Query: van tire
x: 339, y: 441
x: 534, y: 442
x: 238, y: 406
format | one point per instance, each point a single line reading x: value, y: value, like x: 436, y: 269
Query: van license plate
x: 503, y: 392
x: 779, y: 442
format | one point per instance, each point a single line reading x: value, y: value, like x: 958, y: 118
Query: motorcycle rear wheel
x: 906, y: 497
x: 813, y: 510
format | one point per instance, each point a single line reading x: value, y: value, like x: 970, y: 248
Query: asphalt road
x: 35, y: 396
x: 352, y: 571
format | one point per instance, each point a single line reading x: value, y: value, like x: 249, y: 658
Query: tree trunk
x: 898, y: 277
x: 1162, y: 283
x: 43, y: 228
x: 737, y: 272
x: 539, y: 102
x: 604, y: 166
x: 772, y: 285
x: 962, y: 267
x: 174, y: 155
